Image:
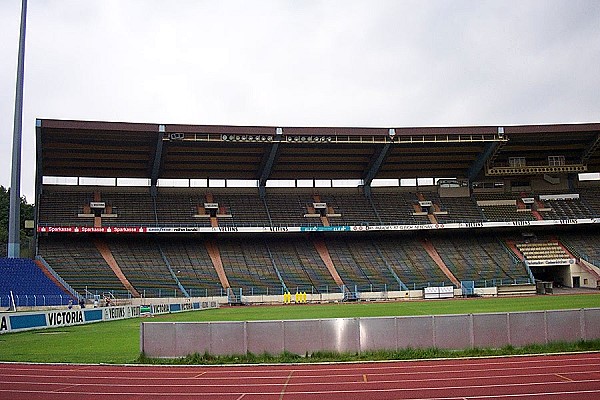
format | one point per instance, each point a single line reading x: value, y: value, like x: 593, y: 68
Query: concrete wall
x: 165, y: 339
x: 487, y: 292
x: 330, y: 297
x: 586, y: 278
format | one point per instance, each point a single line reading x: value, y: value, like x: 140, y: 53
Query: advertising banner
x: 22, y: 321
x: 334, y: 228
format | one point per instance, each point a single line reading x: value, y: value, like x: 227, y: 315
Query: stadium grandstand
x: 189, y: 210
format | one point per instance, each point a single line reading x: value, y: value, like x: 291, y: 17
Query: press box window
x: 556, y: 161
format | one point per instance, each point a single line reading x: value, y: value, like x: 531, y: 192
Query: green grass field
x: 118, y: 341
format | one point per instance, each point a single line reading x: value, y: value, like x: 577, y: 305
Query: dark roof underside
x: 124, y: 150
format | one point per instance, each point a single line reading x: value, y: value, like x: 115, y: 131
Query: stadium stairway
x: 215, y: 256
x: 112, y: 263
x: 428, y: 246
x: 512, y: 245
x: 537, y: 215
x: 326, y: 257
x: 62, y: 285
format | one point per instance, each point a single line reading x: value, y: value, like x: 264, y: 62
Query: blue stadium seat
x: 29, y: 285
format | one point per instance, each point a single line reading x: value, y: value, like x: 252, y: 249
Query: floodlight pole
x: 14, y: 219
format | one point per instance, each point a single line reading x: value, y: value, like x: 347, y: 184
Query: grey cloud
x: 358, y: 63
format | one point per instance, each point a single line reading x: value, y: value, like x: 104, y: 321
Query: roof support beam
x: 375, y: 166
x: 158, y: 158
x: 481, y: 159
x: 267, y: 164
x: 590, y: 150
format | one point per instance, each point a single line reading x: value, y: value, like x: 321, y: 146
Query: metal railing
x: 32, y: 300
x: 503, y: 282
x: 58, y: 300
x: 57, y: 276
x: 260, y: 290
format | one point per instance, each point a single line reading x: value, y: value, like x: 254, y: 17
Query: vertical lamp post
x: 14, y: 221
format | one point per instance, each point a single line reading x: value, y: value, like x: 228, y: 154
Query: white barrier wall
x: 22, y: 321
x: 439, y: 292
x: 163, y: 339
x: 138, y: 301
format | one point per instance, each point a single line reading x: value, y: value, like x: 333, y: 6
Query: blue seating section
x: 26, y: 280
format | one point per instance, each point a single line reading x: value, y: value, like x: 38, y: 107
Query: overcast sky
x: 299, y: 63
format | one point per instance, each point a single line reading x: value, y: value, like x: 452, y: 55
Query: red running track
x: 570, y: 376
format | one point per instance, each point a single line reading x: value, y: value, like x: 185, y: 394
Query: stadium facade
x: 193, y: 210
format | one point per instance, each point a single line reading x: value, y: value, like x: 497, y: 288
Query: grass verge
x: 118, y: 341
x: 404, y: 354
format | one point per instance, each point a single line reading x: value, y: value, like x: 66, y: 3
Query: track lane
x: 572, y: 375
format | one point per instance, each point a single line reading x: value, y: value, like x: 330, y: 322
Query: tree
x: 4, y: 210
x: 26, y: 213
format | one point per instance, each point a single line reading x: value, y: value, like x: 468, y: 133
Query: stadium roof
x: 153, y: 151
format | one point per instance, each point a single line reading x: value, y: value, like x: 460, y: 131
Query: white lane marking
x: 350, y: 373
x: 92, y: 380
x: 285, y: 385
x: 357, y: 384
